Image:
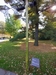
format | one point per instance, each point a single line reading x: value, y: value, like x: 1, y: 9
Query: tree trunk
x: 36, y: 25
x: 36, y: 35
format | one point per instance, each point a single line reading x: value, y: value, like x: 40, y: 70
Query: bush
x: 54, y: 35
x: 18, y: 36
x: 41, y: 35
x: 45, y: 34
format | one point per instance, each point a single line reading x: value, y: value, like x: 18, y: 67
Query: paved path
x: 2, y: 40
x: 4, y: 72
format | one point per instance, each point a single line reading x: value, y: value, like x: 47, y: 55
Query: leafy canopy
x: 12, y: 25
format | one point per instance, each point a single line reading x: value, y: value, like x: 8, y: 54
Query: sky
x: 2, y: 2
x: 53, y: 8
x: 2, y: 18
x: 11, y: 11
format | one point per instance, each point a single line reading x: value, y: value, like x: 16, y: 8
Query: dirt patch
x: 43, y: 47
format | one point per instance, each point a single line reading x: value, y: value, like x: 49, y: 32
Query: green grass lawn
x: 13, y: 59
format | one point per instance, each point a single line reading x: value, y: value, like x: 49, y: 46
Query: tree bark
x: 36, y: 35
x: 36, y: 26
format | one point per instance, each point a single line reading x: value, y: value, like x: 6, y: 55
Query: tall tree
x: 39, y: 6
x: 34, y: 17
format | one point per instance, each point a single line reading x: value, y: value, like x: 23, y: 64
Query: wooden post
x: 27, y: 48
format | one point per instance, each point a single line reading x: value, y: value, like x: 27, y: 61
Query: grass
x: 13, y: 59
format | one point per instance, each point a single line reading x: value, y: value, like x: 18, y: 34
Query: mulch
x: 42, y: 47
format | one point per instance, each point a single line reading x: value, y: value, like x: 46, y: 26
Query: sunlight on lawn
x: 17, y: 45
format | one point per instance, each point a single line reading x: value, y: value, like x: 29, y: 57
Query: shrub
x: 18, y: 36
x: 54, y: 35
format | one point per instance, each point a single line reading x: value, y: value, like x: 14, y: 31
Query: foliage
x: 48, y: 30
x: 2, y: 27
x: 41, y: 35
x: 54, y: 34
x: 12, y: 25
x: 34, y: 14
x: 20, y: 35
x: 48, y: 33
x: 8, y: 1
x: 12, y: 58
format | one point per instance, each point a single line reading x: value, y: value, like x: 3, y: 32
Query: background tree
x: 12, y: 25
x: 34, y: 17
x: 48, y: 31
x: 40, y: 7
x: 54, y: 31
x: 2, y: 27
